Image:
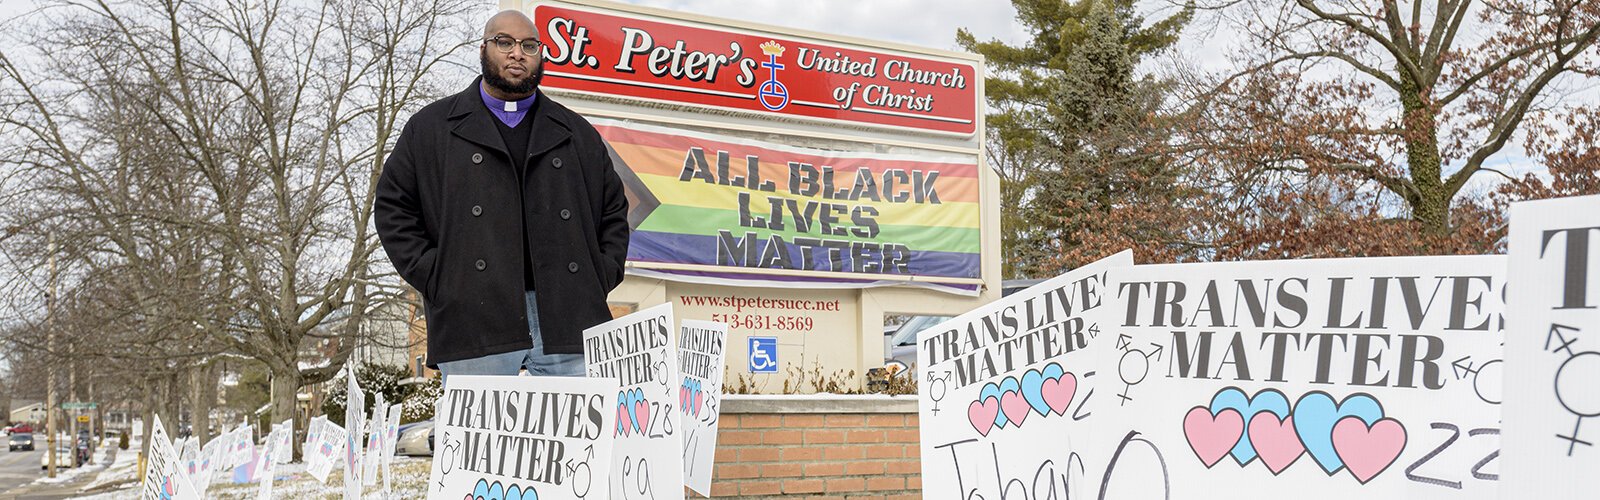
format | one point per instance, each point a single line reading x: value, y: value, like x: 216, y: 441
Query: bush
x: 374, y: 378
x: 122, y: 441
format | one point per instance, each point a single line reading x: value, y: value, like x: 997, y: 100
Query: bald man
x: 501, y: 207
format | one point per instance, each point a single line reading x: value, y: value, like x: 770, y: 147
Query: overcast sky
x: 928, y: 23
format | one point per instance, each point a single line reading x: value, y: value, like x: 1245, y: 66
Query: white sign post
x: 163, y: 474
x: 1000, y: 382
x: 548, y: 438
x: 702, y: 352
x: 638, y: 349
x: 1552, y: 388
x: 1308, y: 379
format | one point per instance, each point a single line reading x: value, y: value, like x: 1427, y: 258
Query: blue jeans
x: 534, y: 360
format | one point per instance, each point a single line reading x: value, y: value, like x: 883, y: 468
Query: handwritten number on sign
x: 1477, y: 469
x: 660, y: 425
x: 1455, y: 434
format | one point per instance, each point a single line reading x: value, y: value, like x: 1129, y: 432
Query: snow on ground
x: 410, y: 478
x: 122, y: 469
x: 101, y: 457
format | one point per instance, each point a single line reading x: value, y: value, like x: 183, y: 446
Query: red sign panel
x: 666, y: 61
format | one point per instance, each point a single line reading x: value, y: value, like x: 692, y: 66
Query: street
x: 19, y: 467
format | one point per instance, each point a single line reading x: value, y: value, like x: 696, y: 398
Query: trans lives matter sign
x: 1554, y: 387
x: 639, y: 351
x: 1005, y: 390
x: 163, y: 477
x: 702, y: 354
x: 522, y: 437
x: 1305, y: 379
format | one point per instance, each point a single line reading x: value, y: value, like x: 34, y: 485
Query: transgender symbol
x: 937, y: 384
x: 1135, y: 365
x: 772, y: 92
x: 1573, y: 381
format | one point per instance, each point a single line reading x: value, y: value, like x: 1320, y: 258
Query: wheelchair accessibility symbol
x: 772, y: 92
x: 763, y: 354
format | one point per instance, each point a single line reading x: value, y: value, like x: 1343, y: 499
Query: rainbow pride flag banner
x: 717, y: 209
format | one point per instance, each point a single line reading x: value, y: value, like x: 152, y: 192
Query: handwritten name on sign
x: 522, y: 437
x: 1554, y: 388
x: 1316, y: 379
x: 640, y: 350
x: 998, y: 381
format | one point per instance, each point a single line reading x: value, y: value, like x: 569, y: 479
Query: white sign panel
x: 391, y: 434
x: 355, y: 419
x: 244, y: 447
x: 327, y: 452
x: 548, y: 438
x: 639, y: 351
x: 1307, y: 379
x: 267, y: 463
x: 375, y: 435
x: 997, y: 383
x: 1553, y: 388
x: 163, y: 476
x: 701, y: 358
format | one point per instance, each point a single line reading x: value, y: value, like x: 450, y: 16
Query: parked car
x: 21, y: 441
x: 416, y: 440
x: 63, y: 459
x: 901, y: 351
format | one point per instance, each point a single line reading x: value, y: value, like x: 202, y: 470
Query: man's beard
x: 491, y: 76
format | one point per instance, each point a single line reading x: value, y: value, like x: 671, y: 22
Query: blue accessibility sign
x: 763, y: 354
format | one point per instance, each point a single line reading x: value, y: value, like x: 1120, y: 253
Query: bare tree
x: 231, y: 184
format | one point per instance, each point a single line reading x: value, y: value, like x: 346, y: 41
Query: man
x: 501, y: 207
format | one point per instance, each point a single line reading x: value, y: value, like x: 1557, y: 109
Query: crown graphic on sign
x: 772, y: 48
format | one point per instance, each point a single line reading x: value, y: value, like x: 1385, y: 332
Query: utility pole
x: 50, y: 348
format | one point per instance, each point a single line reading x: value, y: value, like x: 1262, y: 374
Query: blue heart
x: 1031, y: 383
x: 626, y: 400
x: 1268, y: 400
x: 517, y: 493
x: 1314, y: 417
x: 990, y: 390
x: 481, y: 489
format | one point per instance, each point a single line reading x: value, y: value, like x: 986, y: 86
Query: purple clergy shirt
x: 498, y: 107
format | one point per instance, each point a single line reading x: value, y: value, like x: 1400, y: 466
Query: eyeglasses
x: 505, y: 43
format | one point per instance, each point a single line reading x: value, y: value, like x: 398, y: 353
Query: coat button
x: 572, y: 267
x: 477, y: 210
x: 566, y: 214
x: 477, y: 158
x: 556, y: 163
x: 480, y: 264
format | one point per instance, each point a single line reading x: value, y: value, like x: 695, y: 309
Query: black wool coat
x: 447, y: 213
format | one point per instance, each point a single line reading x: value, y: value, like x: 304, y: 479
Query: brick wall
x: 856, y: 447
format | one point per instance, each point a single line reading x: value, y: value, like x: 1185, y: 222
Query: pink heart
x: 683, y: 396
x: 1015, y: 406
x: 1212, y: 436
x: 1058, y: 392
x: 1275, y: 441
x: 1367, y: 452
x: 642, y: 408
x: 622, y: 420
x: 697, y: 400
x: 982, y: 414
